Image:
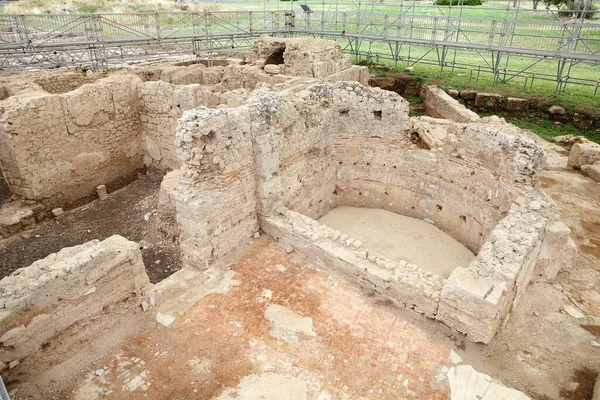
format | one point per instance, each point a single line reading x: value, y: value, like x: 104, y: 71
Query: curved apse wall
x: 303, y: 152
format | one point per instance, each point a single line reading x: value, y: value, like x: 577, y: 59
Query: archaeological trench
x: 284, y: 158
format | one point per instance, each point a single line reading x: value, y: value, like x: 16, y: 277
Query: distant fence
x: 562, y: 52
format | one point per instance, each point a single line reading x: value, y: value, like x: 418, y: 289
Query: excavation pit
x: 442, y: 216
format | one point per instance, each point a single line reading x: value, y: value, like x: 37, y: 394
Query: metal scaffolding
x: 504, y: 49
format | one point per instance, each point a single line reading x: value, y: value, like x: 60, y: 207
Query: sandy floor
x: 401, y: 238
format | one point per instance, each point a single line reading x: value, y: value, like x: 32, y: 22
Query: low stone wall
x: 477, y: 300
x: 404, y: 284
x: 439, y: 104
x: 39, y: 302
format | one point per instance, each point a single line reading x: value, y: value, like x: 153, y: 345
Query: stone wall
x: 75, y: 285
x: 63, y: 134
x: 160, y: 107
x: 477, y: 300
x: 464, y: 188
x: 216, y: 200
x: 300, y: 152
x: 401, y: 283
x: 315, y: 58
x: 57, y: 148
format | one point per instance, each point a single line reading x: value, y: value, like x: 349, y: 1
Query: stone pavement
x: 359, y: 350
x: 286, y: 331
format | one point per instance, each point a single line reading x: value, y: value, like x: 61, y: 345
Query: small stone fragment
x: 144, y: 306
x: 57, y: 212
x: 101, y: 191
x: 13, y: 364
x: 289, y: 249
x: 361, y: 254
x: 99, y: 372
x: 572, y: 311
x: 281, y: 268
x: 256, y: 235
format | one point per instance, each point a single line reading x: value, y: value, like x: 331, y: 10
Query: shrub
x: 459, y: 2
x: 575, y: 10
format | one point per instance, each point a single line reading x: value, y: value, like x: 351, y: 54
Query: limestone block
x: 432, y: 131
x: 557, y: 253
x: 468, y: 94
x: 593, y: 171
x: 516, y: 104
x: 272, y: 69
x: 472, y: 304
x: 441, y: 105
x: 14, y: 217
x: 584, y: 153
x: 557, y: 110
x: 64, y: 289
x: 491, y: 100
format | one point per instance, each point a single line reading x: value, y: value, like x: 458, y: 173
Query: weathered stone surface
x: 316, y: 58
x: 160, y: 106
x: 593, y: 171
x: 557, y: 110
x: 433, y: 132
x: 516, y: 104
x: 453, y: 93
x: 15, y: 217
x: 272, y: 69
x: 468, y: 94
x: 74, y: 285
x: 440, y: 104
x: 596, y: 395
x: 491, y: 100
x: 466, y: 383
x: 584, y: 153
x: 557, y: 252
x: 89, y: 137
x: 569, y: 139
x: 473, y: 305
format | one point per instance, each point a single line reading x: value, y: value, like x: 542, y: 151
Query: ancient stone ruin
x: 272, y: 144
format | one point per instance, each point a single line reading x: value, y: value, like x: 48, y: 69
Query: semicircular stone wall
x: 284, y: 159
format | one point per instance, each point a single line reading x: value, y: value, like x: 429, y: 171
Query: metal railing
x: 564, y: 52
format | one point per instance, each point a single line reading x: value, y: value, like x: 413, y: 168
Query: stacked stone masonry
x: 293, y: 155
x: 257, y: 148
x: 62, y: 135
x: 73, y: 286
